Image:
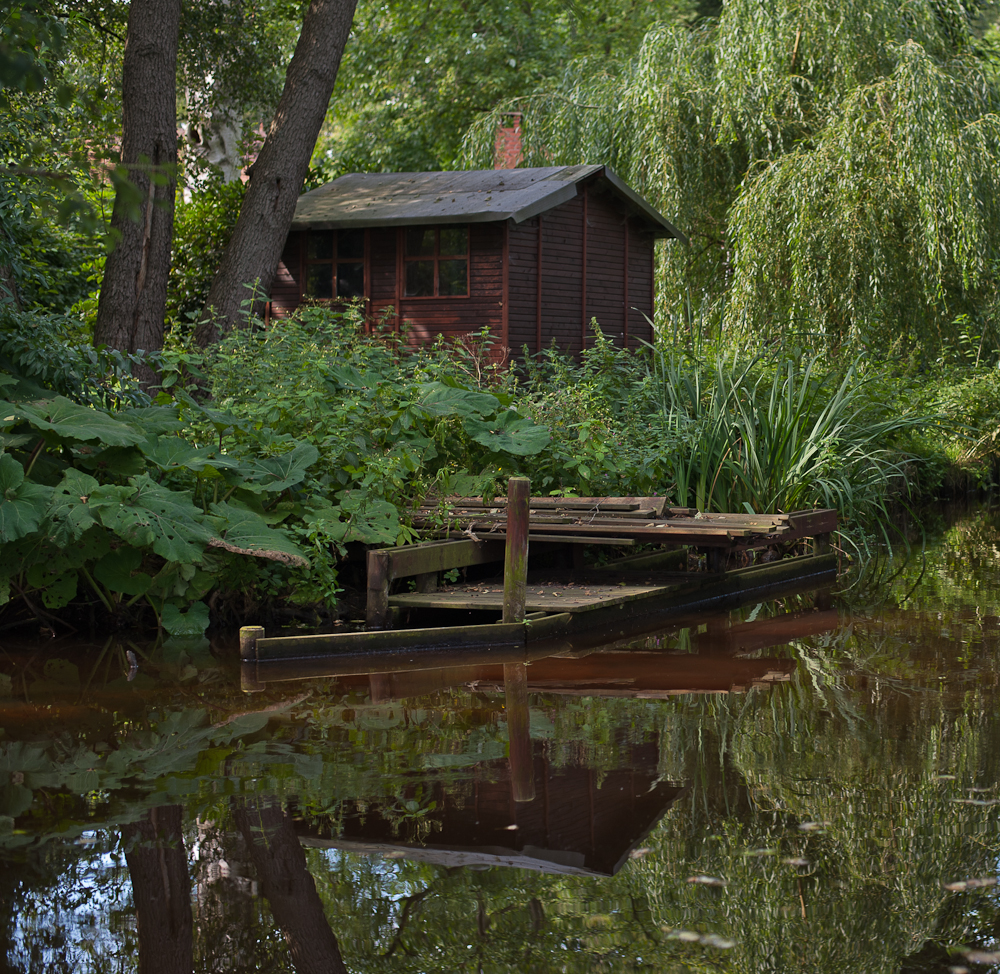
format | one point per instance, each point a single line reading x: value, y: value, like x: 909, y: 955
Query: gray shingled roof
x: 469, y: 196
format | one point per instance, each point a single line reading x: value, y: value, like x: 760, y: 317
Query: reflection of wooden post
x: 515, y: 565
x: 248, y: 658
x: 522, y: 771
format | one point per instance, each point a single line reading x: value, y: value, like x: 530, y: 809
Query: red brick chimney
x: 507, y: 149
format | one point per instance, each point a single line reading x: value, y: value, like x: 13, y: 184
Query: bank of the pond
x: 240, y: 491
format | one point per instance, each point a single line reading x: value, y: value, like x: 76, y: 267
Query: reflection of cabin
x: 582, y: 821
x: 532, y: 254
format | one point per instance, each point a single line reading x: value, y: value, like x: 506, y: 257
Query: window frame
x: 438, y: 259
x: 332, y: 262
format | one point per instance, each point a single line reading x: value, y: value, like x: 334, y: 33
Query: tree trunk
x: 276, y: 177
x: 161, y: 891
x: 134, y: 290
x: 285, y: 881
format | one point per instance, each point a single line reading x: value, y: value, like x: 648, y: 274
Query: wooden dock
x: 546, y: 594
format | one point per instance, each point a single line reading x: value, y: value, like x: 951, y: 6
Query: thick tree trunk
x: 276, y: 177
x: 161, y: 891
x: 285, y: 881
x: 134, y: 290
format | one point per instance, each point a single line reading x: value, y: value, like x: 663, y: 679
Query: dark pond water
x: 788, y: 787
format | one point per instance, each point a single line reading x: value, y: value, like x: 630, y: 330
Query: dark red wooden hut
x: 532, y: 254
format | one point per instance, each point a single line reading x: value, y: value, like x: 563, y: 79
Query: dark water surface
x: 788, y: 787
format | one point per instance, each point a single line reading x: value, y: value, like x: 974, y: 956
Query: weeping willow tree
x: 835, y: 165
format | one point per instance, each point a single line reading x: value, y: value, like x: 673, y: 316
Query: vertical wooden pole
x: 248, y: 658
x: 379, y: 577
x: 515, y: 566
x: 522, y: 770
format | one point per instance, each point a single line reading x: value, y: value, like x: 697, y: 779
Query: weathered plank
x: 403, y: 640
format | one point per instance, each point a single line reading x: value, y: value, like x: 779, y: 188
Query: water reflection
x: 827, y: 818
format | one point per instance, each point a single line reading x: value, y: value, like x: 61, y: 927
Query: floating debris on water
x: 964, y: 884
x: 692, y: 937
x: 982, y: 956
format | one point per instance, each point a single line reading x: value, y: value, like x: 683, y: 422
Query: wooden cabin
x: 532, y: 254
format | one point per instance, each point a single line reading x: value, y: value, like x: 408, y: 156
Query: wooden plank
x: 536, y: 538
x: 549, y: 598
x: 441, y: 556
x: 665, y: 559
x: 403, y: 640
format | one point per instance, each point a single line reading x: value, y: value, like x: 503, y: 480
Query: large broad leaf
x: 69, y: 513
x: 439, y: 399
x: 509, y: 433
x: 153, y: 419
x: 174, y: 453
x: 119, y: 571
x: 22, y: 503
x: 245, y: 533
x: 193, y: 622
x: 119, y: 461
x: 279, y: 473
x: 71, y: 421
x: 145, y: 514
x: 57, y: 585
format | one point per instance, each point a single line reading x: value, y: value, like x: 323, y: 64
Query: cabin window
x: 335, y: 264
x: 436, y: 261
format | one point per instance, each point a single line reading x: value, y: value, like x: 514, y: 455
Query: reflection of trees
x: 161, y: 890
x: 291, y: 893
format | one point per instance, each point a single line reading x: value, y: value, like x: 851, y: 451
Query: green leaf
x: 153, y: 419
x: 58, y: 586
x: 119, y: 461
x: 280, y: 473
x: 174, y: 453
x: 22, y: 503
x: 69, y: 513
x: 509, y: 433
x: 439, y: 399
x: 71, y: 421
x: 145, y: 514
x: 119, y: 571
x: 191, y: 623
x: 245, y: 533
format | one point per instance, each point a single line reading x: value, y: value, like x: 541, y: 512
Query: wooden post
x: 248, y: 658
x: 379, y: 577
x: 515, y: 565
x: 248, y: 642
x: 522, y: 769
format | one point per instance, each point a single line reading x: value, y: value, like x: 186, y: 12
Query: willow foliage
x: 833, y: 164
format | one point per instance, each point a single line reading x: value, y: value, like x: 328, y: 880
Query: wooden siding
x: 605, y: 266
x: 286, y: 287
x: 640, y: 285
x: 522, y: 317
x: 562, y: 267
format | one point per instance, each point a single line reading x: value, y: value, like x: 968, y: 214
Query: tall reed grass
x: 775, y: 433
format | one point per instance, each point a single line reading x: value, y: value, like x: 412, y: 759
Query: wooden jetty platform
x: 547, y: 595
